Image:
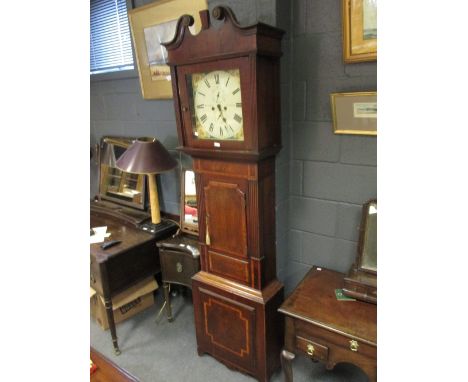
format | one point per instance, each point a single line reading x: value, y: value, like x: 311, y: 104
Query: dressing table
x: 121, y: 206
x: 328, y: 330
x: 326, y: 327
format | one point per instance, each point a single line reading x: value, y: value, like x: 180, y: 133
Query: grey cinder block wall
x: 331, y: 176
x: 321, y: 178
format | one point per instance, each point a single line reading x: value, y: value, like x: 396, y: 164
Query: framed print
x: 152, y: 25
x: 354, y: 113
x: 359, y: 30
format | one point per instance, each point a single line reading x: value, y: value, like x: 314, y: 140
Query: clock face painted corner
x: 216, y: 105
x: 216, y: 111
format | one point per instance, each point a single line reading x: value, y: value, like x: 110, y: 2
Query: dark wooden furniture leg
x: 110, y: 320
x: 168, y: 302
x: 286, y: 363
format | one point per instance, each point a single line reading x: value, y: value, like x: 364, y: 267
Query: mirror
x: 116, y: 185
x: 368, y: 245
x: 361, y: 280
x: 188, y: 202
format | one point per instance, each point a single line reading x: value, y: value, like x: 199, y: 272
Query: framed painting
x: 150, y: 26
x: 359, y: 30
x: 354, y: 113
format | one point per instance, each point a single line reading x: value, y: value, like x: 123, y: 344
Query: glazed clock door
x: 226, y: 228
x: 216, y: 104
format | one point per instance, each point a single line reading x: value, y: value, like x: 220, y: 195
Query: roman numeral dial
x: 217, y: 105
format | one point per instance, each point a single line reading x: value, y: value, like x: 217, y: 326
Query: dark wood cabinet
x: 180, y: 260
x: 135, y: 258
x: 227, y: 103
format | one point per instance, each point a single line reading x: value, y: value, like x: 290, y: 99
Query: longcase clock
x: 227, y: 101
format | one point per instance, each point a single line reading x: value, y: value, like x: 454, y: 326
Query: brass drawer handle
x: 179, y: 267
x: 353, y: 345
x: 310, y: 349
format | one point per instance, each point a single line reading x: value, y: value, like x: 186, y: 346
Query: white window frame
x: 121, y: 74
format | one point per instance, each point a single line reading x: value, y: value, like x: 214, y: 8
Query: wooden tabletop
x: 107, y: 371
x: 127, y: 233
x: 314, y: 301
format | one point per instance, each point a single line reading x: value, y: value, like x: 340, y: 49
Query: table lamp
x: 148, y: 156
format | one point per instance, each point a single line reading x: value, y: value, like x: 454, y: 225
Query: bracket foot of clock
x: 237, y: 325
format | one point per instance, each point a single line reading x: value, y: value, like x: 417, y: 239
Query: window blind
x: 110, y: 45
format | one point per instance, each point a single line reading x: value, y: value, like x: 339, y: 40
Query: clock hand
x: 221, y: 112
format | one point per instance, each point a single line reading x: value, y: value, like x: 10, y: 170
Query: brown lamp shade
x: 146, y: 156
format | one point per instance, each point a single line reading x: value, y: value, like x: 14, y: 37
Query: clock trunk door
x: 226, y: 228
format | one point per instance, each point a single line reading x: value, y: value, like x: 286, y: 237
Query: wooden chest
x: 180, y: 259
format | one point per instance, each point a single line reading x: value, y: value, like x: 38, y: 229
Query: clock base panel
x: 237, y: 325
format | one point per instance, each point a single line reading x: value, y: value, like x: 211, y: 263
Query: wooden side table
x: 326, y: 329
x: 180, y: 260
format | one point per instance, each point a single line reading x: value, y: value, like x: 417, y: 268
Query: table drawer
x: 313, y: 349
x: 335, y: 341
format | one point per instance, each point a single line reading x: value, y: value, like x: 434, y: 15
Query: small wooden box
x: 180, y: 260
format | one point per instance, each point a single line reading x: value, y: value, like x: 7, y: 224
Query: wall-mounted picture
x: 359, y: 30
x: 157, y: 55
x: 152, y: 25
x: 354, y: 113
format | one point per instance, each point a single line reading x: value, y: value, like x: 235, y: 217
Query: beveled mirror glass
x: 114, y: 184
x: 368, y: 250
x: 188, y: 202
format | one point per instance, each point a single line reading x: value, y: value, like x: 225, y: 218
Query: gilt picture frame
x: 359, y: 30
x: 354, y: 113
x: 150, y: 26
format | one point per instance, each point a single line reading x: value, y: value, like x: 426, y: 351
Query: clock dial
x: 217, y: 105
